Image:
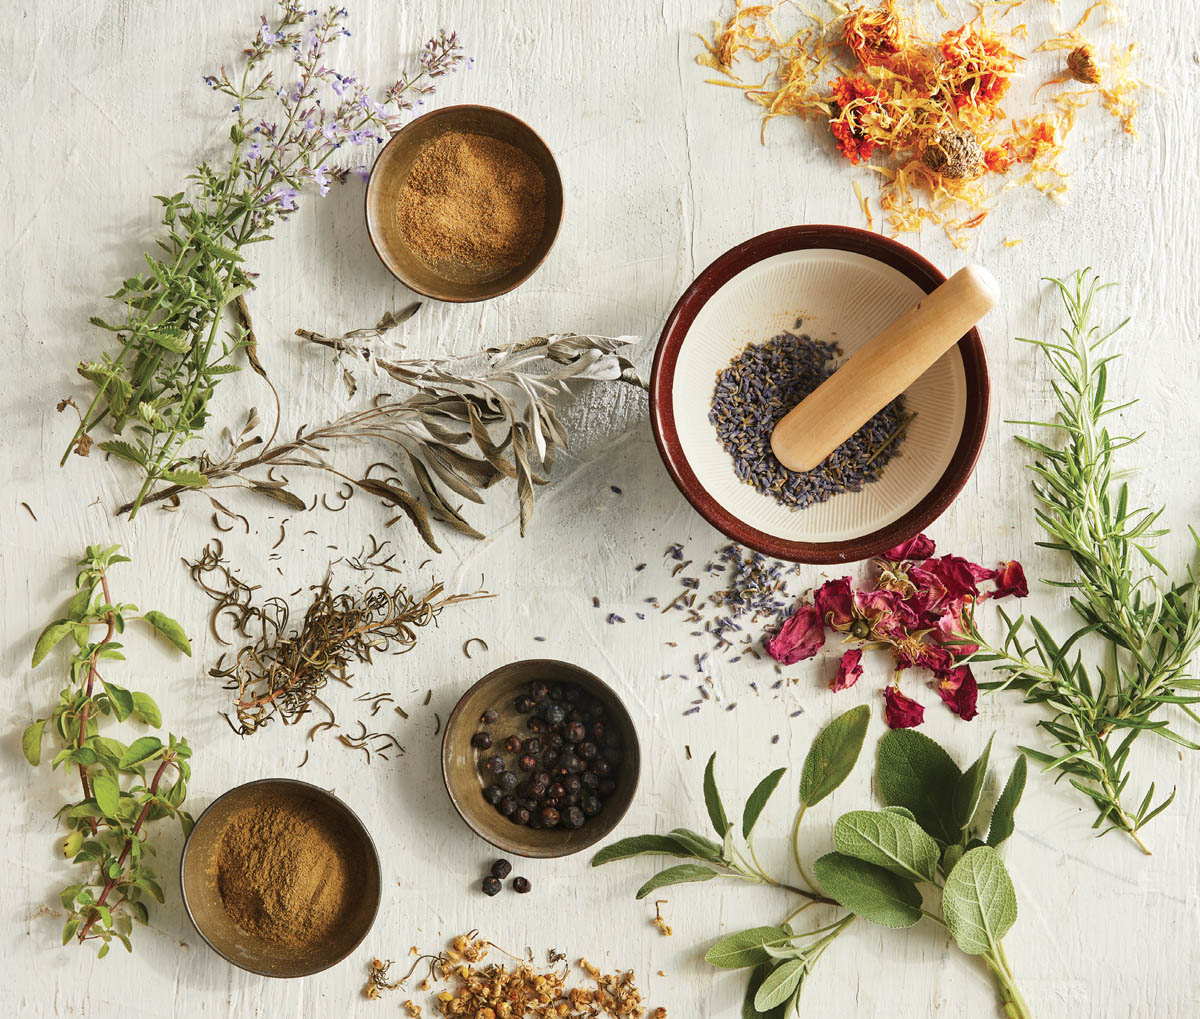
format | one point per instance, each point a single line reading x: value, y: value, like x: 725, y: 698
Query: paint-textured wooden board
x: 103, y: 106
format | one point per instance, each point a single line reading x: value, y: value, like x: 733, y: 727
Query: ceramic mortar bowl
x: 391, y: 170
x: 202, y: 898
x: 845, y: 285
x: 465, y: 781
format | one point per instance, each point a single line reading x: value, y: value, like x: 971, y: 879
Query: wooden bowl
x: 387, y: 180
x: 465, y: 781
x: 845, y: 285
x: 202, y: 898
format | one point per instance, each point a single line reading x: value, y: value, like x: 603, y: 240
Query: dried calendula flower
x: 954, y: 154
x: 413, y: 1009
x: 1081, y: 62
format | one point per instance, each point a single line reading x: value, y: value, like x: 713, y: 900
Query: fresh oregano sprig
x: 108, y: 825
x: 926, y: 837
x: 285, y: 135
x: 1141, y: 633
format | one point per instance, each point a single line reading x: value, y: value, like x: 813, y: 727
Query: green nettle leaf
x: 121, y: 699
x: 873, y: 893
x: 681, y: 874
x: 712, y: 799
x: 1002, y: 824
x: 758, y: 800
x: 752, y: 986
x: 887, y: 840
x: 780, y: 984
x: 31, y: 741
x: 745, y: 948
x: 979, y: 902
x: 170, y: 629
x: 912, y: 771
x: 145, y: 709
x: 833, y: 755
x: 107, y: 793
x: 970, y: 788
x: 141, y: 750
x: 53, y: 633
x: 639, y: 845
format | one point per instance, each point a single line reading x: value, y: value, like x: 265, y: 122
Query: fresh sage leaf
x: 970, y: 789
x: 758, y: 800
x: 50, y: 636
x: 902, y: 811
x: 887, y: 840
x: 678, y: 875
x: 873, y: 893
x: 141, y: 750
x: 712, y: 800
x: 31, y: 741
x: 639, y: 845
x: 833, y: 755
x: 170, y: 629
x: 752, y: 986
x: 745, y: 948
x: 914, y: 772
x: 951, y: 856
x: 697, y: 845
x: 1002, y: 823
x: 979, y: 903
x: 106, y: 793
x: 780, y: 984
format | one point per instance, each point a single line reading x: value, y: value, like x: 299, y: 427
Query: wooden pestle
x: 880, y: 371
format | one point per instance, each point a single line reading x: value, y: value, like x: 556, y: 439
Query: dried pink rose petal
x: 849, y: 669
x: 957, y: 576
x: 958, y: 688
x: 1010, y: 580
x: 916, y: 654
x: 801, y: 637
x: 919, y: 547
x: 834, y: 600
x: 950, y: 629
x: 901, y: 712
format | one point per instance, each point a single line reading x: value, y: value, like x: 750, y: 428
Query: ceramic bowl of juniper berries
x: 541, y: 758
x: 778, y: 308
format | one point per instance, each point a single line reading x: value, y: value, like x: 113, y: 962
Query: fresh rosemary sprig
x: 1142, y: 632
x: 927, y: 835
x: 462, y: 425
x: 108, y: 825
x: 153, y: 394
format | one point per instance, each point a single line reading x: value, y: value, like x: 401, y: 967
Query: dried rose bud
x: 1082, y: 64
x: 954, y: 154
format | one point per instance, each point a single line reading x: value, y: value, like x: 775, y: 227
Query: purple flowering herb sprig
x: 305, y: 131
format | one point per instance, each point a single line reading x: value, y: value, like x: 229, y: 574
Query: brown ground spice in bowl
x: 284, y: 873
x: 473, y: 206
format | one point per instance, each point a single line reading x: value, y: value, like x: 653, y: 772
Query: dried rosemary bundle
x: 465, y: 424
x: 285, y: 666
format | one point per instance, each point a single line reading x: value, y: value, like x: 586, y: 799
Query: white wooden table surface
x: 102, y: 107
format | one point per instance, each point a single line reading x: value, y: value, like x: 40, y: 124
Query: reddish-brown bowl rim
x: 446, y: 293
x: 662, y: 413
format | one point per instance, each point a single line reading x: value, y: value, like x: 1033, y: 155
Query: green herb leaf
x: 833, y: 755
x: 106, y: 793
x: 712, y: 799
x: 31, y: 742
x: 681, y: 874
x: 758, y: 800
x: 145, y: 709
x: 120, y: 698
x: 1002, y: 824
x: 752, y: 986
x: 780, y: 984
x: 171, y: 630
x: 887, y: 840
x: 873, y: 893
x: 143, y: 749
x: 745, y: 948
x: 970, y: 788
x: 698, y: 845
x: 979, y: 902
x: 50, y: 637
x: 915, y: 773
x: 70, y: 927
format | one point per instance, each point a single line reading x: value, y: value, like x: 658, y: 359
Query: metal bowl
x: 845, y: 285
x: 465, y: 782
x: 391, y: 170
x: 202, y: 899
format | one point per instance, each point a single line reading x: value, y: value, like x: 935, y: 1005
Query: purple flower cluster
x: 320, y: 117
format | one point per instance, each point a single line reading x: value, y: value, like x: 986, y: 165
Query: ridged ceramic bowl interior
x: 845, y: 294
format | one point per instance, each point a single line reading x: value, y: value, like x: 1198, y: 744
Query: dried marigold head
x: 1081, y: 62
x: 876, y: 35
x: 954, y: 154
x: 977, y: 66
